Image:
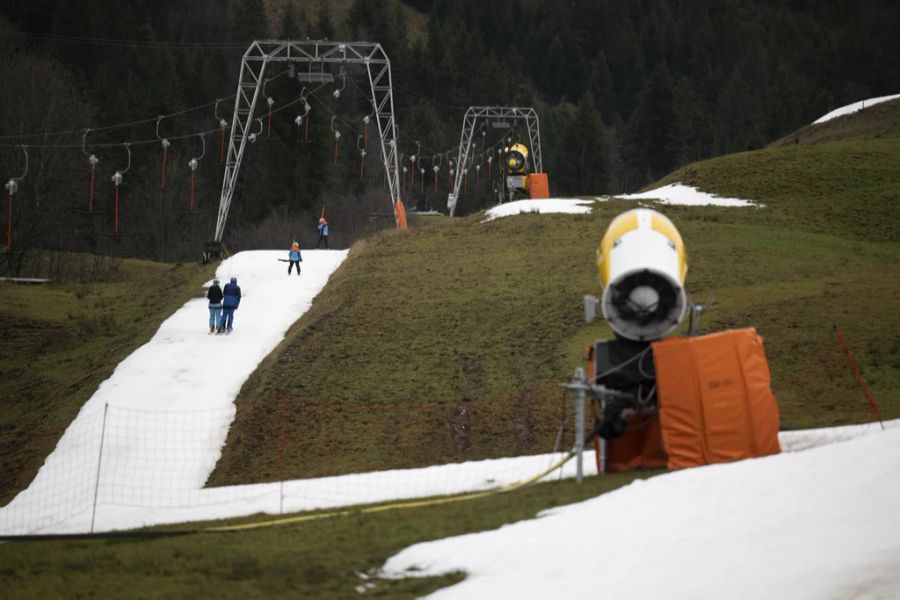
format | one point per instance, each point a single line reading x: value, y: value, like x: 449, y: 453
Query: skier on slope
x: 323, y: 232
x: 294, y: 257
x: 230, y: 303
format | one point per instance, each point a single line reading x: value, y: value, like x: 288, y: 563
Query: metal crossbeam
x: 495, y: 114
x: 312, y: 52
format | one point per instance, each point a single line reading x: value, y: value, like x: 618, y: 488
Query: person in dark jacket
x: 230, y: 303
x: 294, y: 257
x: 214, y: 295
x: 323, y: 232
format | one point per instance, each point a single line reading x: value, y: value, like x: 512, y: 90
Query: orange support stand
x: 400, y: 214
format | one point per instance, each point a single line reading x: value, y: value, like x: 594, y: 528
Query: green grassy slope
x: 446, y: 343
x: 881, y: 120
x: 60, y: 341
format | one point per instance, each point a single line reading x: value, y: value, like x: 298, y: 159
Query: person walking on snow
x: 294, y: 257
x: 230, y: 303
x: 323, y: 232
x: 214, y: 295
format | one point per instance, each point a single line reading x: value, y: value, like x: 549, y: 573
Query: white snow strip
x: 818, y: 524
x: 685, y: 195
x: 544, y: 206
x: 854, y: 107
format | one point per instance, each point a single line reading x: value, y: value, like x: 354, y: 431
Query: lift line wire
x: 114, y: 125
x: 302, y: 518
x: 140, y: 122
x: 162, y: 45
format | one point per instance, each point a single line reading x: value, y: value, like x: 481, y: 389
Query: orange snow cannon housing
x: 715, y: 400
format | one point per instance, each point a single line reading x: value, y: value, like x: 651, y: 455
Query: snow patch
x: 548, y: 205
x: 852, y: 108
x: 685, y: 195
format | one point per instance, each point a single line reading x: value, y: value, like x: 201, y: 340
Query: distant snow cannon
x: 642, y: 265
x: 516, y: 159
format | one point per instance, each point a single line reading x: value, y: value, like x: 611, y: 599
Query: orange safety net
x: 715, y: 401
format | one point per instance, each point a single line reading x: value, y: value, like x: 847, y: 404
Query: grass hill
x: 881, y: 120
x: 447, y: 342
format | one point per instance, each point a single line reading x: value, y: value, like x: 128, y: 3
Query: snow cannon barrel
x: 517, y: 159
x: 642, y: 264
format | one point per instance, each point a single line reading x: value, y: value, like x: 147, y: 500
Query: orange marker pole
x: 857, y: 375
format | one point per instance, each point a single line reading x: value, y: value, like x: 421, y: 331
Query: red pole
x: 269, y: 134
x: 193, y: 174
x: 117, y: 209
x: 858, y: 375
x: 91, y: 192
x: 362, y: 167
x: 337, y: 144
x: 162, y: 181
x: 9, y: 224
x: 222, y: 148
x: 306, y: 129
x: 422, y: 183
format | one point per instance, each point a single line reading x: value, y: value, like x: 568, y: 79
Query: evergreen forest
x: 626, y: 90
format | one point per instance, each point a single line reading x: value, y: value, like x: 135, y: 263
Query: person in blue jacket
x: 323, y: 232
x: 230, y: 303
x: 294, y: 257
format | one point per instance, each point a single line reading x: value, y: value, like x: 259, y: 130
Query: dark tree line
x: 626, y: 90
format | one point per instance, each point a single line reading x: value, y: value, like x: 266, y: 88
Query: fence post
x: 579, y: 425
x: 281, y: 458
x: 99, y: 462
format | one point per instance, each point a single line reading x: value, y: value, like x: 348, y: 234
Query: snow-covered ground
x: 544, y: 206
x: 675, y: 193
x: 818, y: 524
x: 854, y: 107
x: 685, y: 195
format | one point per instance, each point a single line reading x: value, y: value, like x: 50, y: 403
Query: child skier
x: 294, y: 257
x: 323, y: 232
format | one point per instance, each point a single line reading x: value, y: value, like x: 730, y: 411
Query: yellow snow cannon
x: 642, y: 264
